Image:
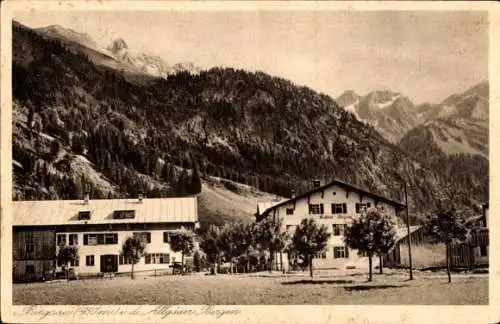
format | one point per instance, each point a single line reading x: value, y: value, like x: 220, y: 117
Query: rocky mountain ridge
x: 395, y: 116
x: 148, y: 63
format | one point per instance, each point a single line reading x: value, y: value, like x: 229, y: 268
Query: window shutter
x: 149, y: 237
x: 310, y: 209
x: 165, y: 237
x: 346, y: 252
x: 357, y: 208
x: 344, y: 208
x: 321, y: 209
x: 85, y: 239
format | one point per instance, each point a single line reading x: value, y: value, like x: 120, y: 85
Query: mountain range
x: 88, y: 119
x: 459, y: 124
x: 117, y: 54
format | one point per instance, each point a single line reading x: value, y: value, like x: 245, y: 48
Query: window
x: 320, y: 255
x: 360, y: 207
x: 84, y: 215
x: 30, y: 247
x: 110, y: 238
x: 123, y: 214
x: 340, y: 252
x: 30, y: 269
x: 157, y: 258
x: 316, y: 209
x: 166, y: 237
x: 89, y: 260
x: 75, y: 263
x: 89, y: 239
x: 339, y: 208
x: 61, y: 239
x: 483, y: 250
x: 73, y: 239
x: 338, y: 229
x: 145, y: 236
x: 289, y: 211
x: 123, y: 260
x: 100, y: 239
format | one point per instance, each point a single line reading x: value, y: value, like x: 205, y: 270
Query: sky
x: 426, y: 55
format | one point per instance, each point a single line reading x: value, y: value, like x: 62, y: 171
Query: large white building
x: 98, y: 229
x: 334, y: 205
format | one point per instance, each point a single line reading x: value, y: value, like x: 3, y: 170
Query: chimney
x: 86, y: 198
x: 316, y: 184
x: 140, y: 198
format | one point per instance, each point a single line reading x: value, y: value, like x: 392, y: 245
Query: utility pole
x: 409, y: 236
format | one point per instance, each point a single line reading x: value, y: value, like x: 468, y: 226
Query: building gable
x: 334, y: 191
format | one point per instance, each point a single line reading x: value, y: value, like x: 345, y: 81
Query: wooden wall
x: 41, y: 267
x: 41, y: 258
x: 433, y: 255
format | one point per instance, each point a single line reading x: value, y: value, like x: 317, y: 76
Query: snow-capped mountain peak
x: 146, y: 62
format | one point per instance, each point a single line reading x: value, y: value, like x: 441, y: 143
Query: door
x: 109, y: 263
x: 29, y: 272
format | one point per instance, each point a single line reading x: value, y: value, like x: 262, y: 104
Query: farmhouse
x: 334, y: 205
x: 98, y: 229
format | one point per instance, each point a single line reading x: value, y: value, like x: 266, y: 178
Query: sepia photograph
x: 249, y: 157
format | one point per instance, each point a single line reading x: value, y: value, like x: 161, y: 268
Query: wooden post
x: 409, y: 235
x: 370, y: 266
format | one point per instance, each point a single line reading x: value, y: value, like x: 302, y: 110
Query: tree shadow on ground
x: 371, y: 287
x: 356, y: 274
x: 317, y: 282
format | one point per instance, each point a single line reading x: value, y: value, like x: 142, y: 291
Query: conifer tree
x: 195, y: 185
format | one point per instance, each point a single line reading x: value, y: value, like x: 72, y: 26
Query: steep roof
x: 340, y: 184
x: 65, y: 212
x: 263, y: 206
x: 402, y: 232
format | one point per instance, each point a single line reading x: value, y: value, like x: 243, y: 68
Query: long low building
x: 472, y: 253
x: 98, y: 228
x: 334, y: 205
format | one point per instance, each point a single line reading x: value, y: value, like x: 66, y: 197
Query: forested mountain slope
x: 157, y: 137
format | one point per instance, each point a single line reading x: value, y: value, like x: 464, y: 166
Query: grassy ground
x: 257, y: 289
